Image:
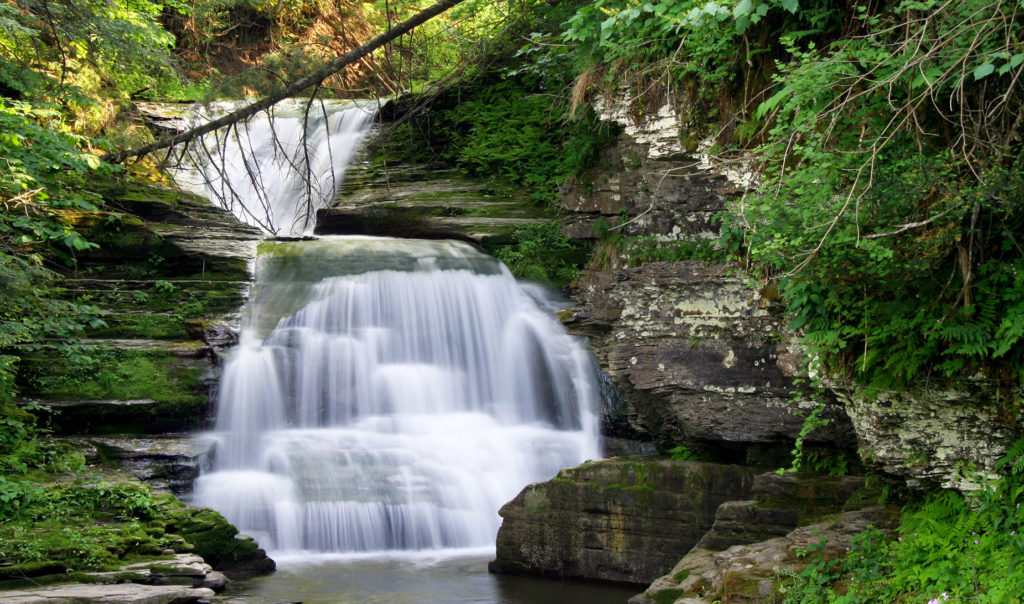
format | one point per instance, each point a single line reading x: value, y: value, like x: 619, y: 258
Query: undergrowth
x: 948, y: 548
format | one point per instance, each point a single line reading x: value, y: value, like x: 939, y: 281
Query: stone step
x: 169, y: 462
x: 90, y: 283
x: 178, y: 579
x: 122, y: 416
x: 186, y: 349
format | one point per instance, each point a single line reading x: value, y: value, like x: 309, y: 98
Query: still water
x: 430, y: 578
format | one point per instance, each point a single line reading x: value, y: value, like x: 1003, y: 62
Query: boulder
x: 625, y: 520
x: 750, y: 572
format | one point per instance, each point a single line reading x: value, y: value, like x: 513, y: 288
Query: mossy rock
x: 218, y: 542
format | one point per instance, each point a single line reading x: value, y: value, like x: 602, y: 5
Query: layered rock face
x: 927, y: 436
x: 169, y: 275
x: 404, y: 198
x: 698, y: 352
x: 624, y: 520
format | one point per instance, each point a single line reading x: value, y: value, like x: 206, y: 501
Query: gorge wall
x: 704, y: 359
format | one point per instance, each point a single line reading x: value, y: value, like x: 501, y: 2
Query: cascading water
x: 392, y: 395
x: 274, y: 170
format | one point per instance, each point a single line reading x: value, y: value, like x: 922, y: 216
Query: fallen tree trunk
x: 313, y: 79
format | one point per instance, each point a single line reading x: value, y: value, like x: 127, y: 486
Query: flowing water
x: 387, y: 396
x: 274, y: 170
x: 390, y: 395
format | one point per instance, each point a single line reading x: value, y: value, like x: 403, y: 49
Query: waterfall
x: 392, y: 395
x: 274, y: 170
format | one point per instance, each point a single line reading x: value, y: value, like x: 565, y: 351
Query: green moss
x: 666, y: 596
x: 117, y: 374
x: 738, y: 584
x: 681, y: 576
x: 150, y: 326
x: 214, y: 538
x: 69, y: 528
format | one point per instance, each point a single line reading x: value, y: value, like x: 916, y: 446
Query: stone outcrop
x: 751, y: 541
x: 165, y: 462
x: 700, y: 350
x: 625, y: 520
x: 699, y: 353
x: 211, y: 536
x: 670, y: 197
x: 425, y: 202
x: 780, y: 503
x: 751, y: 572
x: 927, y: 436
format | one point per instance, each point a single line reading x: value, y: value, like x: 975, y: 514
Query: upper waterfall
x: 392, y: 395
x: 274, y: 170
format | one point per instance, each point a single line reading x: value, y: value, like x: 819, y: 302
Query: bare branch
x: 292, y: 89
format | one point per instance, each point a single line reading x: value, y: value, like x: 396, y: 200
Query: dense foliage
x: 885, y: 137
x: 886, y: 141
x: 948, y: 549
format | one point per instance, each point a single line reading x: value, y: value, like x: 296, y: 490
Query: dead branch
x: 292, y: 89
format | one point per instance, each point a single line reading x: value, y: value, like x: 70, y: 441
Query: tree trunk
x: 313, y: 79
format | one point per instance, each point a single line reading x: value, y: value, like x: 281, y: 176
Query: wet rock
x: 214, y: 580
x: 124, y: 593
x: 215, y: 539
x: 178, y: 569
x: 625, y: 520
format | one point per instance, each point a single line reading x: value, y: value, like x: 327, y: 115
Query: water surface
x: 434, y: 578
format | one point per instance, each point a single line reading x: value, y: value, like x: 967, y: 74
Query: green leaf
x: 983, y: 70
x: 773, y: 101
x: 791, y: 5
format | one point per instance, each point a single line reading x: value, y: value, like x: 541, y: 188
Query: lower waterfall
x: 392, y: 395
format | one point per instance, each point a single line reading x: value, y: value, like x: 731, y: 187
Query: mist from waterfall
x: 392, y: 395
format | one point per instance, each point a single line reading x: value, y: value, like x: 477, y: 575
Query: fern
x: 1012, y: 462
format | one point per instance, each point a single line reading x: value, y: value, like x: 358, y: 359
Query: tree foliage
x: 887, y: 141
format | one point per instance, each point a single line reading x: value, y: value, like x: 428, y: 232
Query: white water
x: 277, y: 168
x: 392, y: 395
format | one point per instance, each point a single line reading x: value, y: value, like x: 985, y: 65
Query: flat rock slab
x: 182, y: 565
x: 124, y: 593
